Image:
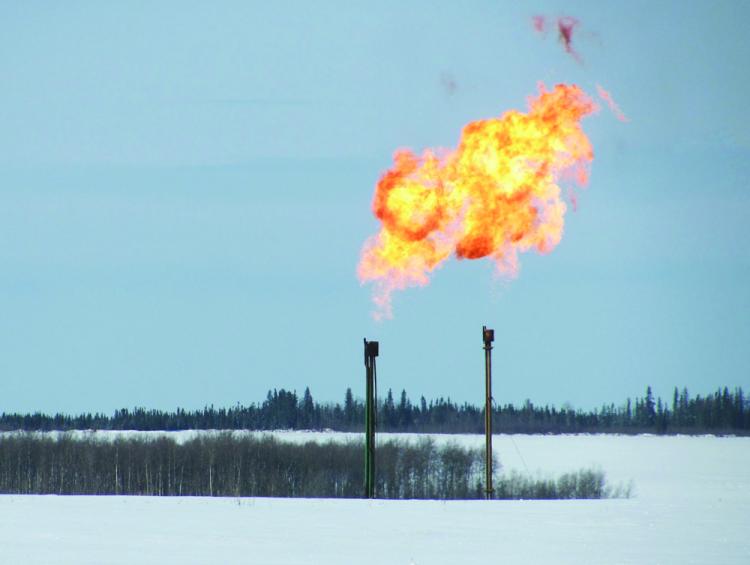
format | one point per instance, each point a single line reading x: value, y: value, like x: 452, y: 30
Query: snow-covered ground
x: 691, y: 505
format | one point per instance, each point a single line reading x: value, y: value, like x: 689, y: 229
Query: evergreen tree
x: 308, y: 410
x: 404, y: 412
x: 349, y: 411
x: 628, y: 414
x: 390, y: 418
x: 649, y: 407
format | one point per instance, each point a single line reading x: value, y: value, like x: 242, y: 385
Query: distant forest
x: 723, y: 412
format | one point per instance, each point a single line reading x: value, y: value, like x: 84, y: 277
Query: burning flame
x: 496, y: 195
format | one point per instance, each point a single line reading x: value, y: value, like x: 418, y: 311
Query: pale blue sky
x: 185, y: 188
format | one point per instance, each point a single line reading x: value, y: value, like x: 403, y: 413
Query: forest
x: 722, y: 412
x: 227, y: 465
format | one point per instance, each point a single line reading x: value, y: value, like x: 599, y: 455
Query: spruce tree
x: 349, y: 414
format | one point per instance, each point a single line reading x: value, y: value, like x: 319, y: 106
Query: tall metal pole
x: 488, y: 337
x: 371, y: 352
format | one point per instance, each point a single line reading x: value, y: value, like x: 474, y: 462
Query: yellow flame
x: 496, y: 195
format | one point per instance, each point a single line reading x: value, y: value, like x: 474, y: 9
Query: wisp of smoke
x: 449, y: 84
x: 607, y: 97
x: 540, y: 23
x: 565, y: 26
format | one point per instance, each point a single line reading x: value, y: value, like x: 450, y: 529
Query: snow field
x: 691, y: 505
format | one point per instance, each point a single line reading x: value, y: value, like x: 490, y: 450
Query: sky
x: 185, y: 188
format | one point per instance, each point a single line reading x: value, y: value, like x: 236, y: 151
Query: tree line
x: 228, y: 465
x: 723, y: 412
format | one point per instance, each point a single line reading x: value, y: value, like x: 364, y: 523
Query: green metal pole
x: 369, y: 447
x: 488, y: 337
x: 371, y: 352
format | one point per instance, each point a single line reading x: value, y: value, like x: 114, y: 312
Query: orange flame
x: 496, y: 195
